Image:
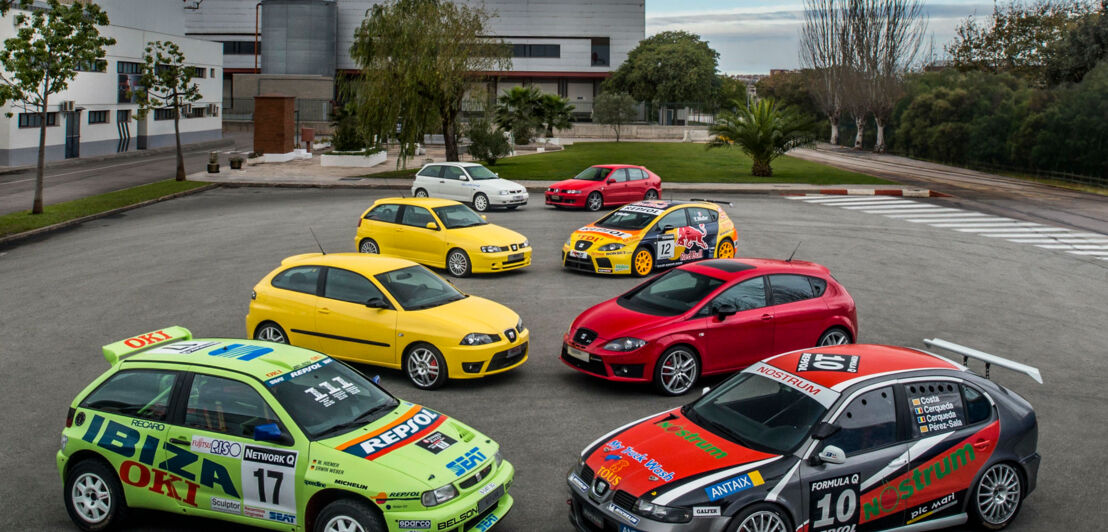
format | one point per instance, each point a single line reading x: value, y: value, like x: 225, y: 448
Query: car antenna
x: 790, y: 259
x: 316, y: 240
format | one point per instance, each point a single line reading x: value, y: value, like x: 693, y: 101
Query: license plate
x: 556, y: 197
x: 592, y: 515
x: 577, y: 353
x: 579, y: 254
x: 519, y: 198
x: 515, y: 257
x: 487, y: 501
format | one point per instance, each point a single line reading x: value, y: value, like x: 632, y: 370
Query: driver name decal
x: 416, y: 422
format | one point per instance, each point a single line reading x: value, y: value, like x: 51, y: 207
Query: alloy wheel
x: 998, y: 494
x: 423, y: 367
x: 458, y: 263
x: 595, y: 201
x: 726, y: 250
x: 763, y: 521
x: 419, y: 194
x: 369, y: 246
x: 91, y: 498
x: 271, y: 333
x: 834, y: 337
x: 678, y: 371
x: 651, y: 194
x: 480, y: 203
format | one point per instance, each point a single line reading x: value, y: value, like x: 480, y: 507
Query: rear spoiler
x: 968, y: 353
x: 116, y: 351
x: 724, y: 202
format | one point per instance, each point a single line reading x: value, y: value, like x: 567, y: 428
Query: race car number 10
x: 834, y: 504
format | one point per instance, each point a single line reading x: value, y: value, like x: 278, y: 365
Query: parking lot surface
x: 193, y: 262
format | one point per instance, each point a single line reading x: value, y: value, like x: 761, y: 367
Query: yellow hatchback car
x: 387, y: 312
x: 441, y: 234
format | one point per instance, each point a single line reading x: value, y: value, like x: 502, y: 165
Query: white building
x: 95, y: 115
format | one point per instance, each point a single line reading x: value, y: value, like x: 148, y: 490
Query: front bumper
x: 505, y: 201
x: 501, y: 261
x: 607, y: 262
x: 476, y: 361
x: 563, y: 200
x: 633, y: 366
x: 608, y: 515
x: 467, y: 512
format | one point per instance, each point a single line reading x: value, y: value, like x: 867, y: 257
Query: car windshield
x: 327, y: 398
x: 672, y: 293
x: 757, y: 412
x: 623, y: 219
x: 417, y: 288
x: 455, y: 216
x: 480, y: 172
x: 593, y: 173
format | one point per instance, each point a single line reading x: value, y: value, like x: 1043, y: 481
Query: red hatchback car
x: 605, y: 184
x: 708, y: 317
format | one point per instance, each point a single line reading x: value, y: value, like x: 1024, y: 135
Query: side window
x: 416, y: 216
x: 452, y: 172
x: 747, y: 295
x: 867, y: 423
x: 136, y: 393
x: 700, y: 215
x: 383, y: 213
x: 676, y: 218
x: 299, y: 279
x: 620, y: 175
x: 433, y: 170
x: 223, y: 405
x: 819, y: 286
x: 345, y: 285
x: 936, y: 407
x: 978, y: 407
x: 789, y: 288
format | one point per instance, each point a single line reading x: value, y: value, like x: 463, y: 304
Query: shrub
x: 487, y: 143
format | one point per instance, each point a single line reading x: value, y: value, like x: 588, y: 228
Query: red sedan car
x: 605, y: 184
x: 708, y: 317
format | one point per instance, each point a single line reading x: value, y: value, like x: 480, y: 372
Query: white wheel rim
x: 368, y: 246
x: 91, y: 498
x: 270, y: 333
x: 595, y: 202
x: 342, y: 523
x: 480, y: 203
x: 998, y: 495
x: 421, y: 193
x: 763, y: 521
x: 458, y: 263
x: 650, y: 195
x: 678, y: 371
x: 423, y: 367
x: 834, y: 338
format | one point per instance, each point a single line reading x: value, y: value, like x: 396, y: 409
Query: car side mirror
x: 704, y: 391
x: 485, y: 218
x: 667, y: 228
x: 271, y: 432
x: 432, y: 225
x: 463, y: 178
x: 825, y: 430
x: 376, y: 302
x: 723, y: 310
x: 611, y: 180
x: 832, y: 455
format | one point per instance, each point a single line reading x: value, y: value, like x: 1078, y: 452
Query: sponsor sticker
x: 705, y: 511
x: 416, y: 422
x: 418, y: 524
x: 578, y: 483
x: 734, y: 485
x: 227, y: 506
x: 465, y: 463
x: 216, y: 447
x: 436, y: 442
x: 268, y: 481
x: 826, y: 362
x: 487, y: 522
x: 825, y: 396
x: 834, y: 503
x: 623, y: 513
x: 298, y: 372
x: 936, y: 407
x: 241, y: 352
x: 643, y: 209
x: 610, y: 232
x: 281, y: 517
x: 187, y: 347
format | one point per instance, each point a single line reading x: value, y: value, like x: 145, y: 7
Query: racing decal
x: 827, y: 362
x: 655, y: 204
x: 941, y: 507
x: 666, y: 248
x: 610, y: 232
x: 645, y: 209
x: 705, y: 511
x: 182, y: 348
x: 329, y: 393
x: 349, y: 484
x: 241, y: 352
x: 623, y: 513
x: 949, y: 472
x: 414, y: 423
x: 417, y: 524
x: 465, y: 463
x: 487, y: 523
x: 382, y: 498
x: 834, y: 503
x: 824, y: 396
x: 936, y: 407
x: 692, y: 437
x: 611, y: 473
x: 733, y: 485
x: 230, y: 449
x: 691, y: 238
x: 298, y: 372
x: 652, y: 465
x: 578, y: 483
x: 143, y: 340
x: 227, y: 506
x: 268, y: 481
x: 436, y: 442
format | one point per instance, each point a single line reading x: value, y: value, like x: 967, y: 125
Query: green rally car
x: 269, y: 435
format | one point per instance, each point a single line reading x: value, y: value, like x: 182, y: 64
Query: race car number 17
x: 269, y: 482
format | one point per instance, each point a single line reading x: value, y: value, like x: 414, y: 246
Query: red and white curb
x: 905, y: 192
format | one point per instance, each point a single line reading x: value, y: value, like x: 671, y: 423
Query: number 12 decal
x: 665, y: 249
x: 264, y: 474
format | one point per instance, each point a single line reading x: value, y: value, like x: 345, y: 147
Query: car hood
x: 610, y: 321
x: 604, y: 235
x: 576, y: 184
x: 474, y: 314
x: 498, y: 184
x: 662, y: 450
x: 488, y: 234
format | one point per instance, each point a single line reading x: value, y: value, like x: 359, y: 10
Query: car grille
x: 604, y: 263
x: 594, y: 365
x: 587, y: 475
x: 575, y: 263
x: 513, y: 259
x: 624, y: 500
x: 584, y: 336
x: 582, y: 245
x: 475, y: 478
x: 501, y: 360
x: 473, y: 522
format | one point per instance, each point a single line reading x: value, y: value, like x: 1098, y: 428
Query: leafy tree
x: 417, y: 59
x: 554, y: 113
x: 1080, y: 49
x: 728, y: 90
x: 791, y: 89
x: 166, y: 83
x: 763, y: 131
x: 614, y: 109
x: 487, y: 143
x: 5, y: 5
x: 347, y: 136
x: 670, y: 67
x: 519, y: 111
x: 49, y: 46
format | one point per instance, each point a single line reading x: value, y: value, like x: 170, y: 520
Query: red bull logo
x: 692, y: 237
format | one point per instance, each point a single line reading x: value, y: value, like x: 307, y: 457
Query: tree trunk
x: 861, y: 124
x: 616, y: 127
x: 36, y: 205
x: 879, y: 147
x: 834, y: 130
x: 177, y: 135
x: 448, y: 138
x: 761, y: 169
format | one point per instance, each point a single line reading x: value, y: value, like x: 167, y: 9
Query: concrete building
x: 565, y: 47
x: 96, y: 115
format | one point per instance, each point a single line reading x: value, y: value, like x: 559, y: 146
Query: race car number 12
x: 665, y: 249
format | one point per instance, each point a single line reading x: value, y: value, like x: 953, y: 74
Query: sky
x: 753, y: 36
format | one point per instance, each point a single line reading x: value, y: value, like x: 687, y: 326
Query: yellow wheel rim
x: 726, y: 250
x: 643, y: 262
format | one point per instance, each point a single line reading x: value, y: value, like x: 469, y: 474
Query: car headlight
x: 525, y: 244
x: 438, y: 496
x: 505, y: 192
x: 665, y: 514
x: 490, y: 249
x: 569, y: 240
x: 480, y: 339
x: 519, y: 325
x: 571, y: 191
x: 611, y: 247
x: 624, y: 344
x: 499, y: 458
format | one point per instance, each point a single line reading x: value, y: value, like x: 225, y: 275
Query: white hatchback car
x: 468, y: 182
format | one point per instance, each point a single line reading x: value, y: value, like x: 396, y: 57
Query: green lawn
x: 673, y: 161
x: 69, y: 210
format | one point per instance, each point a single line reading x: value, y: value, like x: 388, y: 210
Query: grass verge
x: 19, y: 222
x: 674, y: 161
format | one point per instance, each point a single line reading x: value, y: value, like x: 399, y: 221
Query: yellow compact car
x: 637, y: 238
x: 442, y: 234
x: 387, y: 312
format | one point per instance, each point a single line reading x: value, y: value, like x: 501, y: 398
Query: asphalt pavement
x: 193, y: 261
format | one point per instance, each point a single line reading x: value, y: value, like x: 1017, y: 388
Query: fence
x: 307, y: 110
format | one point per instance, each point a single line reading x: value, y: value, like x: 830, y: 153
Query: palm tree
x: 763, y: 131
x: 554, y: 113
x: 518, y: 111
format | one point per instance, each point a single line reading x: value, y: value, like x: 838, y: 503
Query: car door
x: 738, y: 340
x: 860, y: 493
x: 706, y: 221
x: 636, y: 184
x: 415, y: 241
x: 453, y: 184
x: 429, y: 179
x: 797, y: 314
x: 617, y: 189
x: 380, y: 225
x: 350, y: 329
x: 669, y: 243
x: 294, y: 308
x: 236, y: 471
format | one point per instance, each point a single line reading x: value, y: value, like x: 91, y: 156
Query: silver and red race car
x: 839, y: 438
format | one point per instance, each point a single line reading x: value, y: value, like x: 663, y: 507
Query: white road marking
x: 826, y: 199
x: 982, y: 220
x: 904, y: 213
x: 986, y: 225
x: 1011, y: 229
x: 908, y: 204
x: 1082, y: 252
x: 1069, y: 246
x: 881, y: 203
x: 51, y: 176
x: 1059, y: 240
x: 946, y: 213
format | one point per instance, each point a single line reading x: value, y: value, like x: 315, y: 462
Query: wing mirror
x: 832, y: 455
x: 485, y: 218
x: 432, y: 225
x: 723, y: 310
x: 704, y: 391
x: 667, y: 228
x: 611, y: 180
x: 271, y: 432
x: 376, y: 302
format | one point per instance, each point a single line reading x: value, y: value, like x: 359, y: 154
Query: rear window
x: 790, y: 288
x: 299, y: 279
x: 433, y: 170
x: 137, y: 393
x: 383, y: 213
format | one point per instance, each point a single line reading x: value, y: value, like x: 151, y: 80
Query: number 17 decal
x: 266, y: 477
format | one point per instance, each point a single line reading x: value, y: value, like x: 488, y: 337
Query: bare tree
x: 901, y: 26
x: 821, y: 50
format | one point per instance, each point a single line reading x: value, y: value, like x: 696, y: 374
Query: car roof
x: 872, y: 360
x: 728, y: 269
x: 259, y: 359
x: 430, y: 203
x: 363, y: 263
x: 613, y: 166
x: 668, y: 204
x: 455, y: 163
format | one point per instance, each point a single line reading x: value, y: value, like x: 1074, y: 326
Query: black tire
x: 682, y: 364
x: 986, y: 510
x: 594, y: 202
x: 93, y: 479
x: 269, y: 331
x: 651, y: 195
x: 458, y: 263
x: 511, y: 207
x: 834, y: 336
x: 420, y: 193
x: 369, y: 245
x: 347, y: 512
x: 764, y: 513
x: 425, y: 366
x: 480, y: 202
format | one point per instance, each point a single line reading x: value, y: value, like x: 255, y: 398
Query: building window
x: 164, y: 114
x: 97, y: 117
x: 212, y: 72
x: 197, y: 111
x: 199, y: 72
x: 98, y: 65
x: 123, y: 116
x: 35, y: 119
x: 240, y: 47
x: 537, y: 50
x: 127, y: 67
x: 601, y: 51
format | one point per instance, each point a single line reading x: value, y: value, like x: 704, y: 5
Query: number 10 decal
x: 268, y: 476
x: 834, y: 504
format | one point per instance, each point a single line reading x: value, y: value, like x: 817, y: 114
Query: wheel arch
x: 263, y: 323
x: 839, y: 322
x: 669, y: 342
x: 735, y: 508
x: 320, y: 499
x: 85, y: 455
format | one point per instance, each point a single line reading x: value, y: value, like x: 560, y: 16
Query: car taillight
x: 69, y: 417
x: 359, y: 222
